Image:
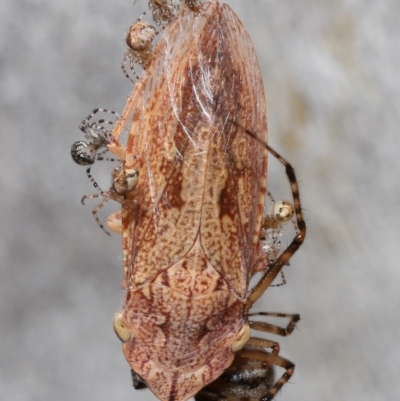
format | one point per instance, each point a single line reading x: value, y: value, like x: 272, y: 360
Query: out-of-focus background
x: 332, y: 78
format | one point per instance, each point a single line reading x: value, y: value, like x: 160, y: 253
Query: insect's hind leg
x: 272, y: 328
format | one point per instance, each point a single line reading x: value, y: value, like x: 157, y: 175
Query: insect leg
x: 271, y: 328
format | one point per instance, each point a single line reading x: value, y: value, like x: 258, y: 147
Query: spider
x: 140, y: 35
x: 98, y: 136
x: 124, y: 180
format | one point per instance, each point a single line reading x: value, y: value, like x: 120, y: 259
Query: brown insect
x: 192, y: 242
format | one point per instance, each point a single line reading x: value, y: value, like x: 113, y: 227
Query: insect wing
x: 200, y: 175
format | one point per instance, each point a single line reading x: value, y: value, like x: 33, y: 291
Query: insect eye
x: 242, y: 338
x: 121, y: 328
x: 131, y: 178
x: 125, y: 180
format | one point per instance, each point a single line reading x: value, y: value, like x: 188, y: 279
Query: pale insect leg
x: 114, y: 222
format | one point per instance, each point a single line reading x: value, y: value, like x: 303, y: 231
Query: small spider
x: 272, y: 225
x: 280, y: 213
x: 140, y: 35
x: 98, y: 136
x: 139, y: 38
x: 123, y: 181
x: 165, y: 10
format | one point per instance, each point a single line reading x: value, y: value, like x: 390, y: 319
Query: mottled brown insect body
x: 190, y: 249
x: 192, y: 244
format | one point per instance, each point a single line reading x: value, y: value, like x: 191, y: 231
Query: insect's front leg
x: 114, y: 222
x: 117, y: 149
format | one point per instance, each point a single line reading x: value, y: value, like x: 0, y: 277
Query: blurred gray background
x: 332, y: 78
